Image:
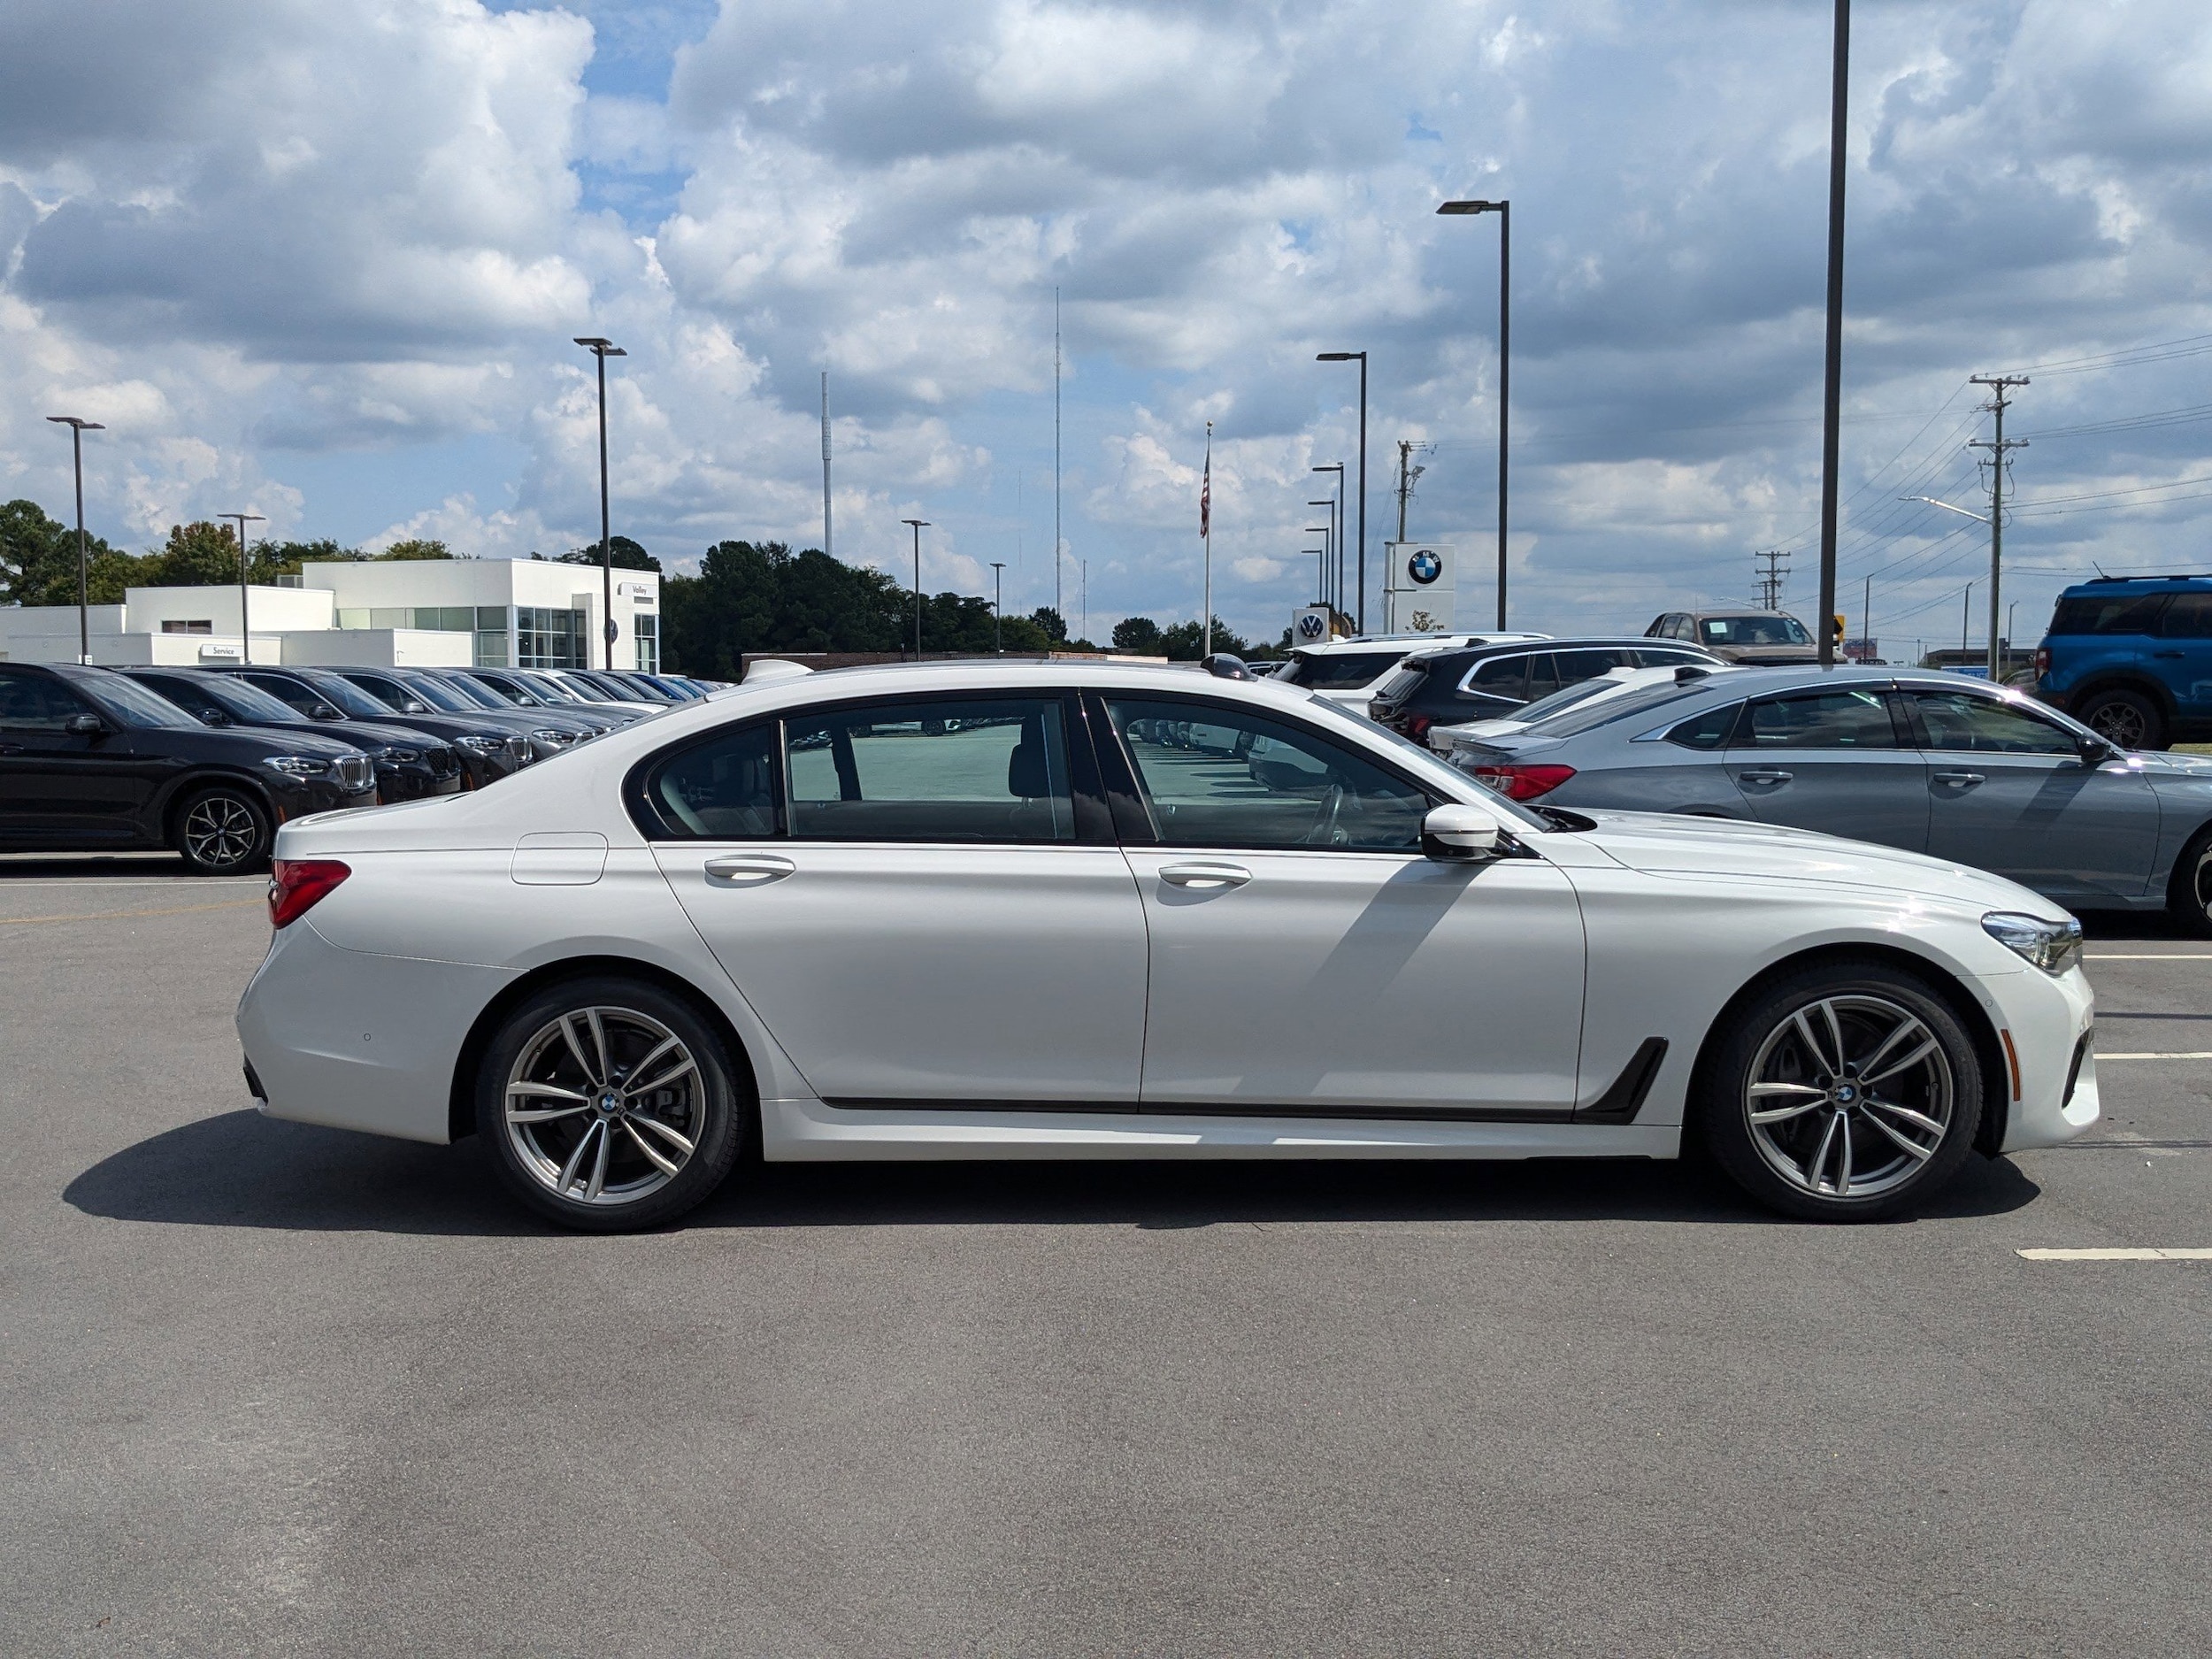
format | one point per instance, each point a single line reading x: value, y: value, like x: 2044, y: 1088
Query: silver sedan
x: 1928, y: 762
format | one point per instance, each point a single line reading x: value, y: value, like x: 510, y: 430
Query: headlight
x: 401, y: 755
x: 297, y: 765
x: 484, y: 746
x: 559, y: 739
x: 2053, y: 947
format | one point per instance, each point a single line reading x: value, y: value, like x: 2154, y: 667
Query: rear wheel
x: 1841, y: 1094
x: 223, y: 832
x: 2128, y: 718
x: 609, y: 1104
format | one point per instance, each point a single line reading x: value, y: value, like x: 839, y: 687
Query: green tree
x: 622, y: 553
x: 1055, y: 625
x: 415, y: 548
x: 196, y: 555
x: 38, y: 561
x: 1184, y: 643
x: 1140, y: 636
x: 273, y: 559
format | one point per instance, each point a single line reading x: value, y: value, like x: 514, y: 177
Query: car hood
x: 1766, y: 656
x: 1660, y: 843
x: 2159, y: 765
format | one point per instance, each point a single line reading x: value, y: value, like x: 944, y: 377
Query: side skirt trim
x: 1188, y: 1109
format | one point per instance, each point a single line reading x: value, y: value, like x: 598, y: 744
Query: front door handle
x: 757, y: 869
x: 1765, y: 777
x: 2165, y: 653
x: 11, y: 749
x: 1960, y: 780
x: 1205, y: 877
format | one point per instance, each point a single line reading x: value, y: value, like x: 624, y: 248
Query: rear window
x: 2108, y: 613
x: 1337, y: 670
x: 1404, y: 684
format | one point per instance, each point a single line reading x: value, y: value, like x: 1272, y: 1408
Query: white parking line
x: 2193, y: 1054
x: 2162, y: 955
x: 2116, y: 1256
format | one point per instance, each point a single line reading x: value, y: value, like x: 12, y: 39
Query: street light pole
x: 1321, y: 586
x: 998, y: 605
x: 602, y: 350
x: 1832, y: 391
x: 77, y: 430
x: 1332, y: 561
x: 245, y: 634
x: 919, y: 525
x: 1336, y: 517
x: 1360, y: 622
x: 1504, y: 210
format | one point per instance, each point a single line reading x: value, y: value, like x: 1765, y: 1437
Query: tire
x: 2129, y: 718
x: 1902, y: 1148
x: 223, y: 832
x: 605, y: 1159
x: 2189, y: 889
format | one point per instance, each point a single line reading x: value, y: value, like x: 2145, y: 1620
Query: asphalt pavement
x: 269, y: 1389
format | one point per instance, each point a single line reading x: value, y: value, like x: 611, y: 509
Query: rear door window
x: 1824, y: 719
x: 2189, y: 617
x: 974, y: 770
x: 1503, y: 678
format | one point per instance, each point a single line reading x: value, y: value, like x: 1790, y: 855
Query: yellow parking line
x: 2116, y: 1256
x: 106, y: 915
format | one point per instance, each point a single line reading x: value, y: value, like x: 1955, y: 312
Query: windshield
x: 243, y: 702
x: 1587, y: 716
x: 585, y: 690
x: 350, y: 697
x: 520, y: 693
x: 1337, y: 670
x: 1753, y: 631
x: 1419, y: 761
x: 475, y: 695
x: 438, y: 694
x: 125, y: 699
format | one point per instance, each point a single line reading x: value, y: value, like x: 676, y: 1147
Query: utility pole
x: 1999, y: 447
x: 1407, y: 473
x: 919, y: 525
x: 998, y: 605
x: 826, y: 466
x: 1831, y: 394
x: 1057, y: 609
x: 1772, y: 578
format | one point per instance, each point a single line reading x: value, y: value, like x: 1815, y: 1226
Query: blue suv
x: 2130, y: 657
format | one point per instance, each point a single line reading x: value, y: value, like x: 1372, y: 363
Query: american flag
x: 1206, y: 488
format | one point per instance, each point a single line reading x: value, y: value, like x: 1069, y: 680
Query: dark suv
x: 2131, y: 658
x: 1486, y: 683
x: 91, y: 760
x: 487, y: 752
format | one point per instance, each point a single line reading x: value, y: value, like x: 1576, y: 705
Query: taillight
x: 1522, y: 783
x: 1418, y: 727
x: 2042, y: 661
x: 297, y: 884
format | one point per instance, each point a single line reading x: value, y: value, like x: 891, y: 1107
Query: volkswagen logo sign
x: 1424, y: 567
x: 1310, y: 626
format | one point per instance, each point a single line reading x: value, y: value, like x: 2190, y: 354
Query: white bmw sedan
x: 1078, y: 911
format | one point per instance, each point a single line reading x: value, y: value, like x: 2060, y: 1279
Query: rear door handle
x: 1961, y: 780
x: 1765, y: 777
x: 756, y: 869
x: 1205, y: 877
x: 2165, y: 653
x: 11, y: 749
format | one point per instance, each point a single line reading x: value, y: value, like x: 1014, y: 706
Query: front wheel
x: 1841, y: 1093
x: 2127, y: 719
x: 223, y: 832
x: 2189, y: 890
x: 609, y: 1104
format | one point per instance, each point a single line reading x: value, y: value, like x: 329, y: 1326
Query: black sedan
x: 1448, y: 685
x: 487, y: 752
x: 408, y: 764
x: 91, y: 760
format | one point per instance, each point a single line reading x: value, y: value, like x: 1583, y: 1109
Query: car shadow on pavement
x: 243, y: 1169
x: 50, y: 866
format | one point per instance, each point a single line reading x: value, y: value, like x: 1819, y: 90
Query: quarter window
x: 1827, y: 719
x: 1960, y: 720
x: 981, y: 770
x: 722, y: 789
x: 1708, y: 731
x: 1220, y: 777
x: 1505, y: 678
x: 2189, y: 617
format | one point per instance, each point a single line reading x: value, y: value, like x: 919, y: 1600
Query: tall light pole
x: 919, y: 525
x: 602, y: 350
x: 998, y: 605
x: 1321, y: 595
x: 1336, y: 517
x: 1360, y: 622
x: 245, y: 634
x: 1331, y: 559
x: 77, y: 430
x: 1832, y: 391
x: 1504, y: 210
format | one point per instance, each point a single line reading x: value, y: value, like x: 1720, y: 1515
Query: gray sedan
x: 1931, y: 763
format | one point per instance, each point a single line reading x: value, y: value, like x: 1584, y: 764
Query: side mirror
x: 2095, y: 751
x: 324, y: 711
x: 214, y: 717
x: 84, y: 726
x: 412, y: 707
x: 1461, y: 831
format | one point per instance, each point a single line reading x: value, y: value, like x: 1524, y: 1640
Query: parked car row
x: 209, y: 760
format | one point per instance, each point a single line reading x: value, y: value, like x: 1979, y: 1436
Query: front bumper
x: 2047, y: 1023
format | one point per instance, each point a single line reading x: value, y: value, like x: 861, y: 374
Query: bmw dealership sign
x: 1419, y: 587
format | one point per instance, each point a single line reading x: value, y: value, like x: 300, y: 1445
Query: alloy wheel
x: 220, y: 832
x: 2122, y: 724
x: 603, y: 1106
x: 1849, y: 1097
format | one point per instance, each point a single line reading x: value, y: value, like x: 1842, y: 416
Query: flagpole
x: 1206, y: 528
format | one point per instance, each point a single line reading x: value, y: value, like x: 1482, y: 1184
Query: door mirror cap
x: 324, y: 711
x: 84, y: 726
x: 1458, y: 830
x: 2095, y: 751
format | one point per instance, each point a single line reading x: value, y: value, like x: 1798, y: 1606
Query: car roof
x: 1414, y: 641
x: 2106, y: 584
x: 1572, y: 643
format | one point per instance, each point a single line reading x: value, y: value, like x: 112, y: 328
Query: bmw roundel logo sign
x: 1424, y: 567
x: 1310, y: 625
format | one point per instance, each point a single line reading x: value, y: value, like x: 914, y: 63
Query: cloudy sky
x: 321, y: 259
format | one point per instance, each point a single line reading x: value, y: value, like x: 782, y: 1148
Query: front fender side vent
x: 1620, y: 1104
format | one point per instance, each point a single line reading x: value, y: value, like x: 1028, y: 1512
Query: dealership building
x: 429, y: 613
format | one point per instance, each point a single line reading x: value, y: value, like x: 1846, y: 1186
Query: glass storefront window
x: 547, y: 638
x: 645, y: 629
